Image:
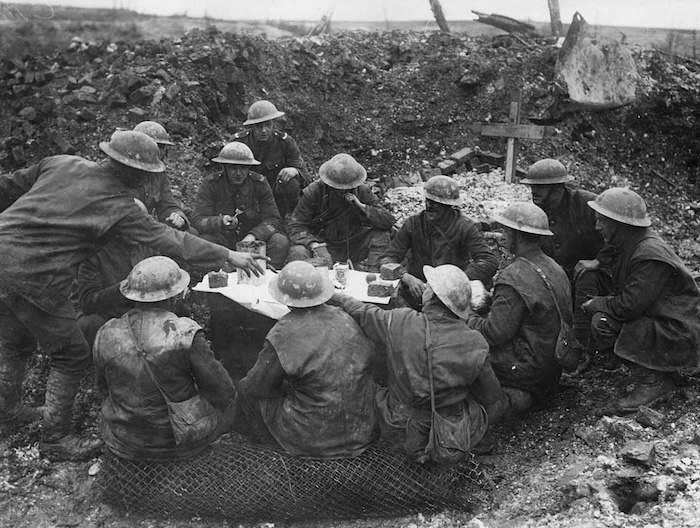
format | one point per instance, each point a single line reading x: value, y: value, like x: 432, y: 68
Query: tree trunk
x: 439, y: 15
x: 555, y: 17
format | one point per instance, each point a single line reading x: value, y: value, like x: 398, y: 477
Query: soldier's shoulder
x: 256, y: 176
x: 241, y: 134
x: 279, y: 134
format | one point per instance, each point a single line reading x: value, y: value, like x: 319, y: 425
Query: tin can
x: 341, y: 273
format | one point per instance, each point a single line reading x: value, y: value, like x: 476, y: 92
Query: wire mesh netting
x: 241, y: 481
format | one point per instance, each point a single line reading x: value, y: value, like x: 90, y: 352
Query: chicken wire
x: 240, y: 481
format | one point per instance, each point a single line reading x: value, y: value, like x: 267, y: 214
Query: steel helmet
x: 342, y: 171
x: 261, y: 111
x: 236, y: 153
x: 442, y: 189
x: 452, y: 287
x: 525, y: 217
x: 154, y: 130
x: 154, y: 279
x: 546, y: 172
x: 301, y: 285
x: 134, y: 149
x: 622, y: 205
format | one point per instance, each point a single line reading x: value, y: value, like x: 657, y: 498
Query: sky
x: 680, y: 14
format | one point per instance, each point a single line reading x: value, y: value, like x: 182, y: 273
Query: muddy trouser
x: 276, y: 247
x: 590, y: 284
x: 22, y: 326
x: 248, y: 418
x: 605, y: 329
x: 364, y: 252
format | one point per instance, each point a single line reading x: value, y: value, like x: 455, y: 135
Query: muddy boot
x: 57, y: 443
x: 650, y: 386
x: 13, y: 415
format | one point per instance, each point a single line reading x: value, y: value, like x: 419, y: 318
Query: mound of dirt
x: 401, y: 103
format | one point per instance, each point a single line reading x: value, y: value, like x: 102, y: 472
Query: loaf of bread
x: 217, y: 279
x: 380, y: 288
x: 391, y: 271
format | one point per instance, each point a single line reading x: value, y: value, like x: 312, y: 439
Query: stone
x: 649, y: 417
x: 447, y: 166
x: 639, y: 452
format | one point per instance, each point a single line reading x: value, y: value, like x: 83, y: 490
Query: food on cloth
x: 218, y: 279
x: 380, y: 288
x: 391, y: 271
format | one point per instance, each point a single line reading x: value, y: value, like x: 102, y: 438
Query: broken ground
x: 400, y: 103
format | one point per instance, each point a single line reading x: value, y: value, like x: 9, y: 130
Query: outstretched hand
x: 247, y: 262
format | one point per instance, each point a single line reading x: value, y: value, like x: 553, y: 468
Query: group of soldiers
x: 107, y: 241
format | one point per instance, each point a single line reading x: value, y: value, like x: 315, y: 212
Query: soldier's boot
x: 57, y: 443
x: 518, y: 400
x: 13, y: 414
x: 649, y: 387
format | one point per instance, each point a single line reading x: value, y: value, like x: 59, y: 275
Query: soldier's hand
x: 415, y: 286
x: 585, y: 265
x: 229, y: 222
x: 175, y: 220
x: 287, y: 174
x: 246, y: 262
x: 321, y: 252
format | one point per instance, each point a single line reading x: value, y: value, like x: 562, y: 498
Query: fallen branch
x: 511, y: 25
x: 664, y: 178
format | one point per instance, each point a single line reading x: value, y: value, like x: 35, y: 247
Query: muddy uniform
x: 463, y: 379
x: 312, y: 386
x: 135, y: 418
x: 523, y: 324
x: 278, y: 152
x: 323, y: 215
x: 70, y: 208
x: 459, y: 243
x: 653, y: 315
x: 260, y: 217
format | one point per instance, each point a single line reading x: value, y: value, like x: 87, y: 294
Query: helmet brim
x: 547, y: 181
x: 522, y: 227
x: 227, y: 161
x: 165, y: 142
x: 343, y: 186
x: 637, y: 222
x: 156, y: 296
x: 305, y: 302
x: 158, y: 166
x: 276, y: 115
x: 445, y: 201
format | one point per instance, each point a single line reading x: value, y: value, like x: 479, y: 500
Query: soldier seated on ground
x: 155, y: 192
x: 339, y: 218
x: 463, y: 380
x: 236, y: 205
x: 576, y: 244
x: 439, y: 235
x: 651, y: 317
x: 523, y: 323
x: 311, y: 390
x: 148, y: 358
x: 280, y: 158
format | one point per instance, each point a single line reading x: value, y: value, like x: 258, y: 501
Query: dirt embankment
x: 400, y: 103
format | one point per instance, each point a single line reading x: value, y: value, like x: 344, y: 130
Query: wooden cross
x: 513, y: 131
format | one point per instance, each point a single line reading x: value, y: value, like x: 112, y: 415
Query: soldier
x: 523, y: 323
x: 281, y: 160
x: 311, y: 388
x: 57, y: 213
x: 464, y: 383
x: 155, y: 192
x: 439, y: 235
x: 575, y: 245
x: 652, y: 315
x: 149, y: 357
x: 339, y: 218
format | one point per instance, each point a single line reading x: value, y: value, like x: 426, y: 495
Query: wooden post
x: 513, y: 131
x: 555, y: 17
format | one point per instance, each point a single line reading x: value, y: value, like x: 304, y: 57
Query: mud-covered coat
x: 458, y: 354
x: 62, y: 211
x: 526, y: 359
x: 157, y: 195
x: 278, y: 152
x: 666, y: 334
x: 135, y: 419
x: 327, y: 410
x: 324, y: 216
x: 573, y: 223
x: 460, y: 243
x: 217, y: 197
